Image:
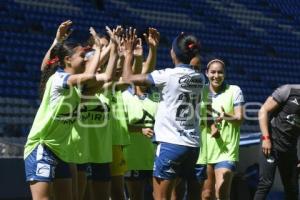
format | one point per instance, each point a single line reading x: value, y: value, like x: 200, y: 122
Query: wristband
x: 265, y: 137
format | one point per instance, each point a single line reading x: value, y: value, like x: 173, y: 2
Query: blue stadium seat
x: 259, y: 41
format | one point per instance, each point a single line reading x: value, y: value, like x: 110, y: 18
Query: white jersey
x: 59, y: 86
x: 177, y: 119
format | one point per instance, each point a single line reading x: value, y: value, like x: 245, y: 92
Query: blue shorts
x: 133, y: 175
x: 43, y: 165
x: 174, y: 161
x: 231, y: 165
x: 98, y: 171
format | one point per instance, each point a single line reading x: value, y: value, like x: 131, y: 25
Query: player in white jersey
x: 177, y: 125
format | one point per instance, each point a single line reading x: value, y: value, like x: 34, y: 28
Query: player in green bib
x: 94, y: 139
x: 140, y: 110
x: 49, y: 142
x: 119, y: 130
x: 140, y: 113
x: 220, y: 142
x: 92, y: 134
x: 48, y: 68
x: 92, y: 144
x: 139, y: 155
x: 118, y: 122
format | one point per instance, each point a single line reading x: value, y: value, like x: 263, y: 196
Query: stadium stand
x: 259, y: 41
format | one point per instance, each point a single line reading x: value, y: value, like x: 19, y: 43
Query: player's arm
x: 237, y: 117
x: 263, y: 116
x: 138, y: 57
x: 148, y: 132
x: 62, y: 34
x: 128, y: 76
x: 152, y: 40
x: 104, y: 80
x: 89, y: 75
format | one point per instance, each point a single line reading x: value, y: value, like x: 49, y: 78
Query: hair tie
x: 53, y: 61
x: 191, y: 46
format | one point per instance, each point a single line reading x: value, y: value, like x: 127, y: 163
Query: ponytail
x: 186, y: 47
x: 44, y: 78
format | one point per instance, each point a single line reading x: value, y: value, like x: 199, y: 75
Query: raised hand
x: 97, y: 41
x: 130, y: 40
x: 115, y: 34
x: 118, y: 30
x: 93, y: 32
x: 152, y: 38
x: 121, y: 47
x: 63, y: 31
x: 138, y: 50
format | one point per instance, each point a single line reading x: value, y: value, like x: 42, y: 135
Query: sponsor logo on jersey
x: 293, y: 119
x: 191, y: 81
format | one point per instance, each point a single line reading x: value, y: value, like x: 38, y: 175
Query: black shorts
x: 96, y: 171
x: 138, y: 175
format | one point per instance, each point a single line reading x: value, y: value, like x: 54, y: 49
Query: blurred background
x: 259, y: 40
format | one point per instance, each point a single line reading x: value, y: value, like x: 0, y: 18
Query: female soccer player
x: 48, y: 145
x: 220, y: 147
x: 141, y: 104
x: 176, y: 126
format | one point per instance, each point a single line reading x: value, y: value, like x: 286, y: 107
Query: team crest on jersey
x: 295, y: 102
x: 43, y: 170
